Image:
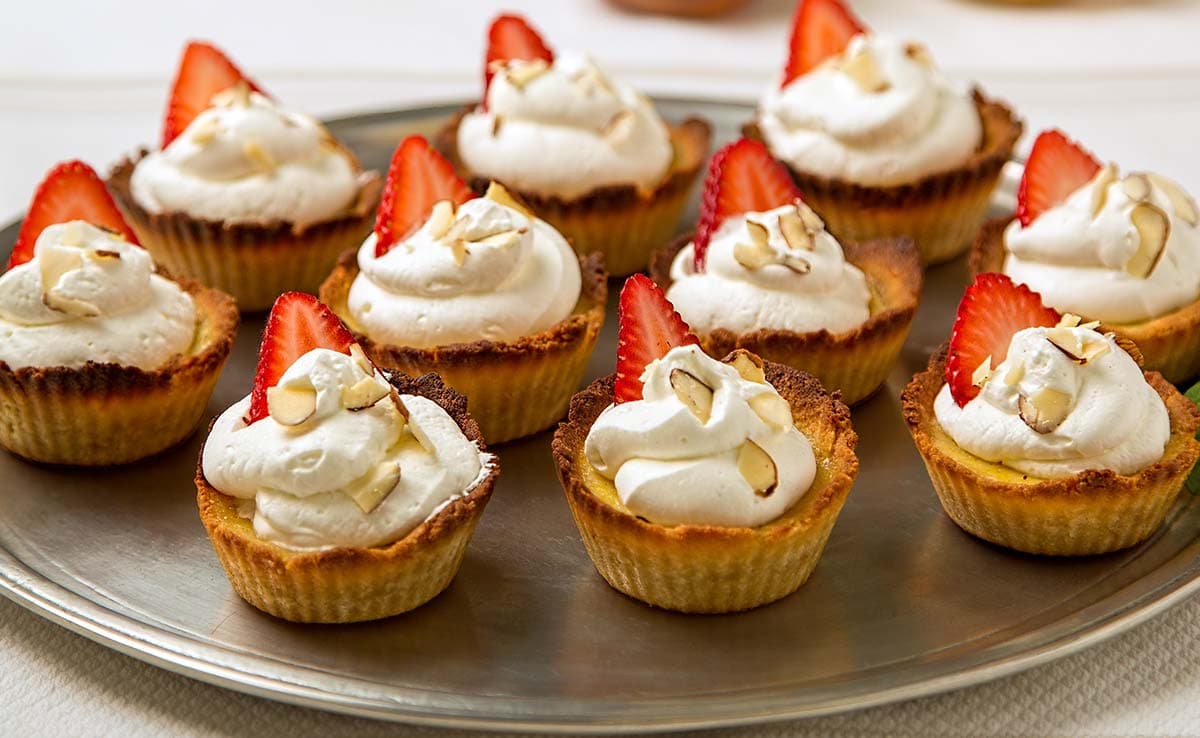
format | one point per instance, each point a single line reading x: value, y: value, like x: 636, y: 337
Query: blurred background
x: 89, y: 79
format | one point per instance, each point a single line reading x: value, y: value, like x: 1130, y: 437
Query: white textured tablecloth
x: 88, y: 79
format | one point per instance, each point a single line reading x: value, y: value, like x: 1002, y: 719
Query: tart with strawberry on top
x: 335, y: 492
x: 1123, y: 249
x: 105, y: 359
x: 243, y: 194
x: 879, y: 141
x: 700, y: 485
x: 762, y: 273
x: 477, y: 289
x: 589, y: 154
x: 1042, y: 433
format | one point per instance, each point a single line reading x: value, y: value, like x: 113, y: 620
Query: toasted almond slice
x: 364, y: 394
x: 360, y: 358
x: 982, y: 373
x: 1068, y: 320
x: 521, y: 75
x: 258, y: 156
x: 619, y: 127
x: 812, y: 221
x: 414, y: 428
x: 757, y: 468
x: 71, y: 233
x: 1091, y: 325
x: 374, y: 487
x: 754, y: 256
x: 759, y: 235
x: 1014, y: 375
x: 105, y: 255
x: 501, y: 240
x: 1136, y: 186
x: 497, y: 122
x: 919, y: 53
x: 1106, y: 176
x: 205, y: 131
x: 862, y: 68
x: 496, y: 192
x: 70, y: 306
x: 794, y: 232
x: 748, y: 365
x: 1065, y: 340
x: 458, y: 248
x: 1128, y: 346
x: 773, y: 409
x: 796, y: 263
x: 697, y: 395
x: 441, y: 217
x: 1045, y: 410
x: 1154, y: 229
x: 1183, y: 203
x: 1093, y: 350
x: 291, y: 406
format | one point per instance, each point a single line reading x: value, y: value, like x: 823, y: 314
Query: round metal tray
x: 528, y: 637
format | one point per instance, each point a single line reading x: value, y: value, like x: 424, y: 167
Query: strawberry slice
x: 511, y: 37
x: 992, y: 309
x: 70, y: 191
x: 204, y: 71
x: 742, y: 177
x: 1057, y: 167
x: 647, y: 328
x: 417, y: 178
x: 820, y: 29
x: 298, y: 323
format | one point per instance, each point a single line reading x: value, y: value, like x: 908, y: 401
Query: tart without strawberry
x: 761, y: 273
x: 1042, y: 432
x: 699, y: 485
x: 880, y: 143
x: 335, y: 492
x: 106, y: 359
x: 243, y: 194
x: 1118, y: 247
x: 477, y: 289
x: 589, y: 154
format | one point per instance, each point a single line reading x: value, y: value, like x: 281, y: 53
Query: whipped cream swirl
x: 246, y: 160
x: 673, y: 468
x: 1080, y: 254
x: 1113, y: 418
x: 564, y: 130
x: 750, y: 283
x: 485, y: 271
x: 90, y: 296
x: 878, y: 114
x: 318, y: 484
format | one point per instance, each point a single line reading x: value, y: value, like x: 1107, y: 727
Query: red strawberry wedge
x: 417, y: 179
x: 647, y: 328
x: 1057, y: 167
x: 742, y: 177
x: 203, y: 72
x: 992, y: 309
x: 511, y: 37
x: 298, y: 323
x: 71, y: 191
x: 820, y: 29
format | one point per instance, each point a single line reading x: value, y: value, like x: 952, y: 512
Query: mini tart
x: 1170, y: 343
x: 855, y: 362
x: 253, y: 261
x: 107, y: 414
x: 700, y: 568
x: 940, y: 211
x: 620, y: 221
x: 515, y: 387
x: 350, y: 584
x: 1093, y: 512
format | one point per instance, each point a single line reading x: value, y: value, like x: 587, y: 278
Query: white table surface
x: 88, y: 80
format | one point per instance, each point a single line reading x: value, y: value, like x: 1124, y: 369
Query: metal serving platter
x: 528, y: 636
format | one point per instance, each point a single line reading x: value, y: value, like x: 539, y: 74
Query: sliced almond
x: 919, y: 54
x: 205, y: 130
x: 812, y: 221
x: 759, y: 235
x: 441, y: 217
x: 748, y: 365
x: 53, y: 264
x: 360, y: 358
x: 773, y: 409
x: 1045, y: 410
x: 754, y: 255
x: 1183, y: 203
x: 1136, y: 186
x: 1066, y: 341
x: 496, y: 192
x: 414, y: 428
x: 796, y: 263
x: 105, y: 255
x: 526, y: 72
x: 501, y: 240
x: 238, y: 95
x: 1106, y: 176
x: 70, y: 306
x: 1014, y: 375
x: 619, y: 127
x: 291, y: 406
x: 497, y: 122
x: 697, y: 395
x: 458, y: 249
x: 1068, y: 320
x: 794, y: 231
x: 373, y: 487
x: 1091, y: 325
x: 364, y: 394
x: 1153, y: 228
x: 1093, y: 350
x: 71, y: 233
x: 862, y: 68
x: 982, y: 373
x: 258, y: 156
x: 757, y: 468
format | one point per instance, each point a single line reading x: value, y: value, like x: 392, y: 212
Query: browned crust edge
x: 213, y: 504
x: 812, y: 407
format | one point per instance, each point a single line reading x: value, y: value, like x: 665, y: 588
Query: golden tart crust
x: 855, y: 362
x: 940, y: 211
x: 622, y: 222
x: 515, y: 387
x: 253, y: 261
x: 1095, y: 511
x: 107, y: 414
x: 1170, y: 343
x: 710, y: 569
x: 350, y: 584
